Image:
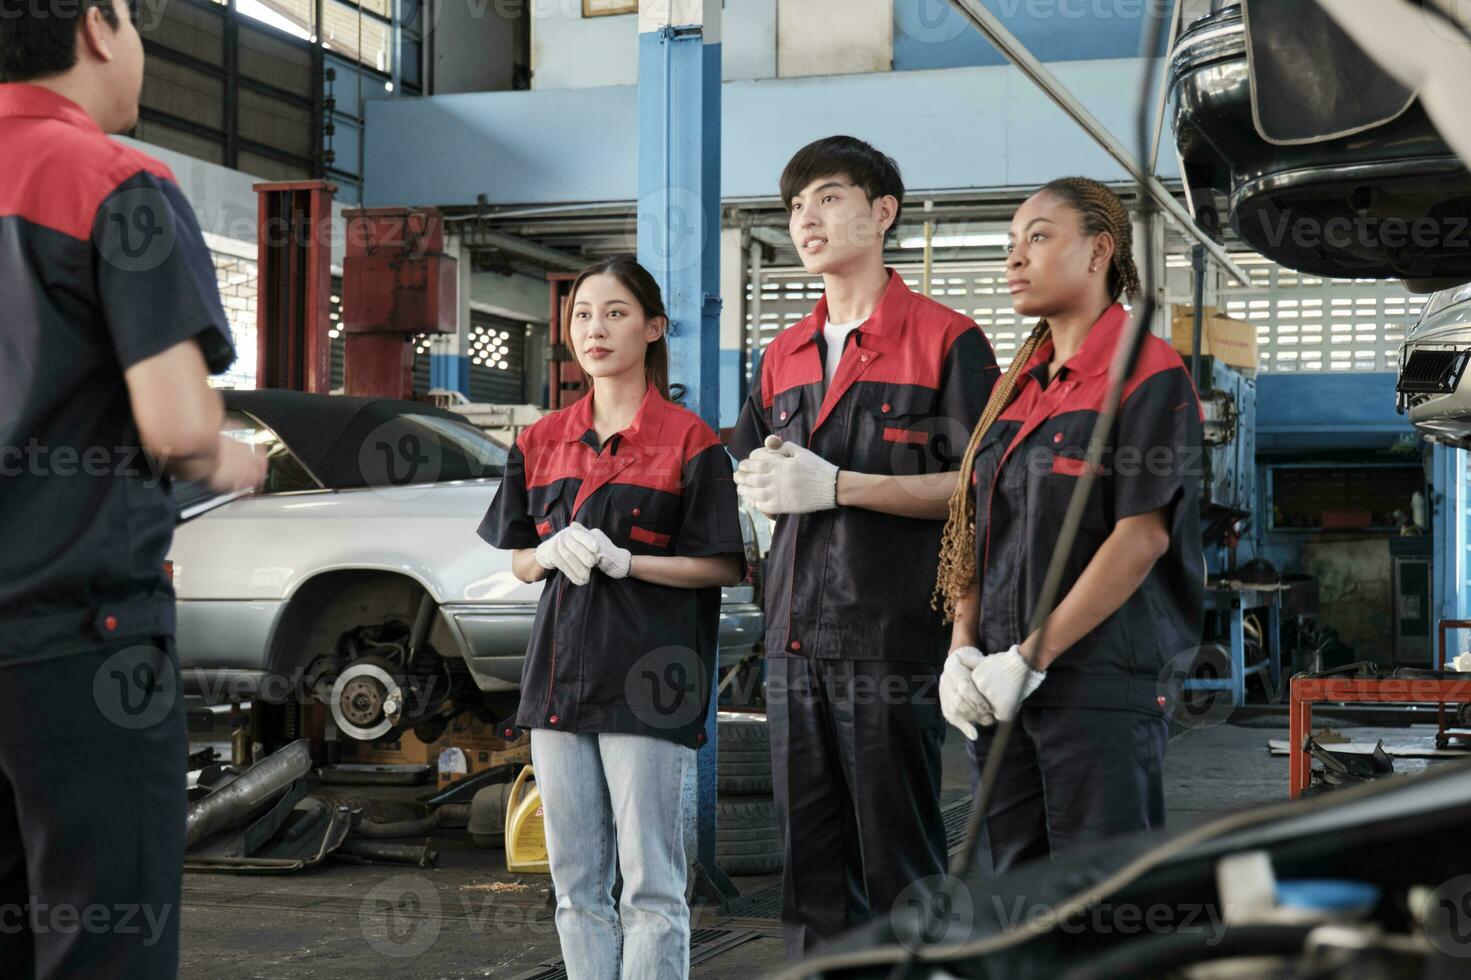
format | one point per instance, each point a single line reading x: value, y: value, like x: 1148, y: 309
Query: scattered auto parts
x: 242, y: 798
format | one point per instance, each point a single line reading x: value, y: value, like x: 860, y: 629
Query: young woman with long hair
x: 623, y: 503
x: 1087, y: 757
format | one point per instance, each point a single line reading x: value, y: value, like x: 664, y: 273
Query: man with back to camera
x: 110, y: 320
x: 850, y: 438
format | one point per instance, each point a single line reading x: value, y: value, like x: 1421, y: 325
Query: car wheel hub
x: 366, y: 701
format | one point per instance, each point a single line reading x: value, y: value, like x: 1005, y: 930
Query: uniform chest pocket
x: 786, y: 417
x: 548, y: 519
x: 644, y: 521
x: 1058, y: 476
x: 546, y: 511
x: 900, y: 434
x: 644, y: 535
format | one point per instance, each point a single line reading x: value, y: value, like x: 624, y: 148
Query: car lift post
x: 679, y: 242
x: 293, y: 309
x: 294, y: 352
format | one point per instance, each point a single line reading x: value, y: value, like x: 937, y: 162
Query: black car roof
x: 328, y: 432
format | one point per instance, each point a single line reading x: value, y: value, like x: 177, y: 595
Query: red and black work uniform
x: 620, y: 655
x: 853, y: 646
x: 1089, y: 759
x: 102, y: 265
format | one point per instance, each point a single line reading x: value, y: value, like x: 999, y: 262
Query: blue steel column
x: 679, y: 242
x: 1450, y: 500
x: 1437, y: 510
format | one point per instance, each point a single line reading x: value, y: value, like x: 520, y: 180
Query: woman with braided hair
x: 1086, y: 759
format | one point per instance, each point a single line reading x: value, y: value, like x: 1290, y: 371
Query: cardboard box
x: 458, y: 761
x: 405, y: 749
x: 1225, y: 338
x: 469, y: 746
x: 468, y: 732
x: 476, y: 739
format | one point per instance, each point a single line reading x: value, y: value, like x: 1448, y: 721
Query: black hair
x: 875, y: 173
x: 38, y: 38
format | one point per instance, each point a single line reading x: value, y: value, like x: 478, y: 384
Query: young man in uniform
x: 850, y: 438
x: 109, y: 322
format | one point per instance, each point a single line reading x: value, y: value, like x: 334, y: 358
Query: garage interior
x: 492, y: 153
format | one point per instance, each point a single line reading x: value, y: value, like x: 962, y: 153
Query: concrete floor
x: 469, y: 918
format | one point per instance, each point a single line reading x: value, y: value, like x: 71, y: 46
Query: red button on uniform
x: 553, y: 719
x: 886, y: 406
x: 783, y: 416
x: 636, y: 512
x: 1057, y: 438
x: 111, y: 623
x: 796, y: 645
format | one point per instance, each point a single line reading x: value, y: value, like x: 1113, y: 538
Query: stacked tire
x: 748, y: 837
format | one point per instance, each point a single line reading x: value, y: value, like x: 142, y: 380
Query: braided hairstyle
x: 1101, y: 211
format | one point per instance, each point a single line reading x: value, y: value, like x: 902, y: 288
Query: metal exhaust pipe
x: 235, y: 803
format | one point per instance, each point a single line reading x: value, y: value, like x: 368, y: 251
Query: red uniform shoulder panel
x: 62, y: 173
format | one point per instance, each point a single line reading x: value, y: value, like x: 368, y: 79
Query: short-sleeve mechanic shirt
x: 102, y: 265
x: 849, y: 582
x: 1025, y: 471
x: 620, y: 655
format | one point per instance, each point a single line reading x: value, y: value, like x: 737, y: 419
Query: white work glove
x: 961, y: 702
x: 783, y: 478
x: 573, y: 551
x: 1005, y: 680
x: 613, y: 561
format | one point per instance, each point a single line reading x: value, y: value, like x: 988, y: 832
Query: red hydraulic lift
x: 293, y: 309
x: 397, y: 281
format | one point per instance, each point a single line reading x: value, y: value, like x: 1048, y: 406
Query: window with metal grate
x: 1308, y: 323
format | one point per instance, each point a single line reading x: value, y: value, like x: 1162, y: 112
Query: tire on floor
x: 748, y: 838
x: 744, y: 755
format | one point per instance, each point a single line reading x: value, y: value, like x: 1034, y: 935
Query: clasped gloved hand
x: 784, y: 478
x: 1005, y: 680
x: 961, y: 702
x: 613, y: 561
x: 573, y: 551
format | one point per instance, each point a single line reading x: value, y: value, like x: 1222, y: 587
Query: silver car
x: 355, y: 578
x: 1433, y: 388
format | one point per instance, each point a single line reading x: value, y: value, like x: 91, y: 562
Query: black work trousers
x: 1071, y: 775
x: 93, y: 751
x: 855, y: 750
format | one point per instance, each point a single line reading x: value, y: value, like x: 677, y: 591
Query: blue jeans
x: 613, y: 801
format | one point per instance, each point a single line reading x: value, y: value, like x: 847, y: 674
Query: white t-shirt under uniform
x: 836, y: 336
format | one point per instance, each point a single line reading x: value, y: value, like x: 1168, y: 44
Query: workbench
x: 1236, y: 598
x: 1424, y: 687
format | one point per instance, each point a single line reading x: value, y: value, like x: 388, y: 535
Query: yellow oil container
x: 526, y: 838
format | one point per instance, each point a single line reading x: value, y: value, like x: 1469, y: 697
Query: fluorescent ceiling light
x: 991, y: 239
